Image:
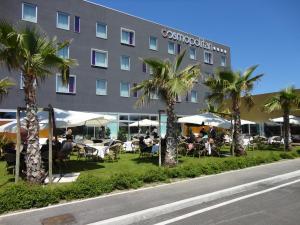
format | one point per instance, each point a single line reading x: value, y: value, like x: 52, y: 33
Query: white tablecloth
x: 128, y: 146
x: 100, y: 150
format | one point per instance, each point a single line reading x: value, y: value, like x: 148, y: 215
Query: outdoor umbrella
x: 63, y: 119
x: 293, y: 120
x: 207, y: 119
x: 144, y: 123
x: 243, y: 122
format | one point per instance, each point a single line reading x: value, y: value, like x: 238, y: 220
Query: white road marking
x: 178, y: 205
x: 225, y: 203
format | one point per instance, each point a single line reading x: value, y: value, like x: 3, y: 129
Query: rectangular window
x: 223, y: 60
x: 63, y: 52
x: 153, y: 43
x: 193, y: 53
x: 101, y: 87
x: 101, y: 30
x: 178, y: 48
x: 135, y: 93
x: 125, y: 62
x: 77, y: 24
x: 69, y: 88
x: 144, y: 67
x: 194, y: 96
x: 99, y: 58
x: 125, y: 89
x: 29, y: 12
x: 208, y: 58
x: 63, y: 21
x: 127, y: 37
x: 178, y: 98
x: 187, y: 97
x: 171, y: 48
x: 154, y: 94
x: 150, y: 70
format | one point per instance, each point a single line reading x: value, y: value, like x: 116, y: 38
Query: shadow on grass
x: 146, y: 159
x: 77, y: 166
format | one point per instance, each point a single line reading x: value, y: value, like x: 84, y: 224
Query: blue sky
x: 264, y: 32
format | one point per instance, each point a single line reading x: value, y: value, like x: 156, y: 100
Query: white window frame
x: 174, y: 49
x: 154, y: 95
x: 128, y: 89
x: 57, y: 20
x: 128, y: 30
x: 212, y: 57
x: 105, y: 88
x: 225, y: 62
x: 106, y: 33
x: 193, y: 91
x: 190, y: 53
x: 121, y: 63
x: 102, y: 51
x: 150, y: 43
x: 68, y: 46
x: 58, y: 76
x: 36, y: 12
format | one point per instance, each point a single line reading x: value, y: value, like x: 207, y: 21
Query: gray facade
x: 85, y: 98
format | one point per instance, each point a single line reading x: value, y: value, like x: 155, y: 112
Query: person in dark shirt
x: 203, y: 132
x: 212, y: 133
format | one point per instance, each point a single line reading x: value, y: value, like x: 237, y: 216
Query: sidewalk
x: 104, y: 207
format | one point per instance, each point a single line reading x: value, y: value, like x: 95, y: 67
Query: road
x: 268, y: 194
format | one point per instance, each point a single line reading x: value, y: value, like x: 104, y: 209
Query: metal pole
x: 249, y: 129
x: 50, y: 145
x: 159, y: 149
x: 18, y: 146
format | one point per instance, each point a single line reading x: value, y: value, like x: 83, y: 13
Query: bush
x: 24, y: 196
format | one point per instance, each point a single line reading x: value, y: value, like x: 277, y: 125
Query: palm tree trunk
x: 170, y: 159
x: 35, y: 172
x: 286, y: 125
x: 238, y: 146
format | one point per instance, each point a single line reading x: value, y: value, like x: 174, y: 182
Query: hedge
x: 25, y: 196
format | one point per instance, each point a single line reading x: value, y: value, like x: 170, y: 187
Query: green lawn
x: 130, y: 163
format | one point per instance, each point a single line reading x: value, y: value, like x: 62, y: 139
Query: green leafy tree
x: 285, y: 100
x: 169, y: 80
x: 5, y: 84
x: 235, y: 86
x: 31, y: 52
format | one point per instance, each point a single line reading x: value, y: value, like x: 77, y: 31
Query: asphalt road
x: 162, y: 203
x: 278, y: 207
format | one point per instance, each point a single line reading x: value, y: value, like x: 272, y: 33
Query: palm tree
x: 285, y: 100
x: 5, y: 84
x: 217, y: 109
x: 233, y: 85
x: 169, y: 81
x: 31, y: 52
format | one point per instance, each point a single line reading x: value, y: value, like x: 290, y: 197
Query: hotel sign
x: 186, y: 39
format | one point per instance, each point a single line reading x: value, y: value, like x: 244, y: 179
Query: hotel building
x: 108, y: 45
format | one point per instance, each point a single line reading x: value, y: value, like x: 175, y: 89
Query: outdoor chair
x: 114, y: 152
x: 135, y: 146
x: 10, y: 159
x: 89, y: 152
x: 199, y: 149
x: 145, y: 150
x: 182, y: 148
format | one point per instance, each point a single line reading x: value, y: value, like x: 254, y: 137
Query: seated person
x: 66, y: 148
x: 143, y: 146
x: 10, y: 147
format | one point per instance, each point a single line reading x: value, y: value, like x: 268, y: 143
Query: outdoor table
x: 101, y: 149
x: 128, y: 146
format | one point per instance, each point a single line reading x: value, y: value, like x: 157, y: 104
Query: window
x: 99, y: 58
x: 153, y: 43
x: 29, y: 12
x: 77, y: 24
x: 69, y: 88
x: 193, y: 53
x: 171, y: 48
x: 208, y: 58
x: 150, y: 69
x: 187, y: 97
x: 135, y: 93
x: 223, y: 60
x: 127, y: 36
x: 101, y: 30
x: 178, y: 48
x: 8, y: 115
x: 22, y: 81
x: 101, y: 87
x: 125, y: 89
x: 178, y: 98
x: 63, y: 21
x: 125, y: 62
x: 194, y: 96
x: 63, y: 52
x: 154, y: 94
x: 144, y: 67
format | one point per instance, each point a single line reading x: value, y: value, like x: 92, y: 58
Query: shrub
x: 155, y: 175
